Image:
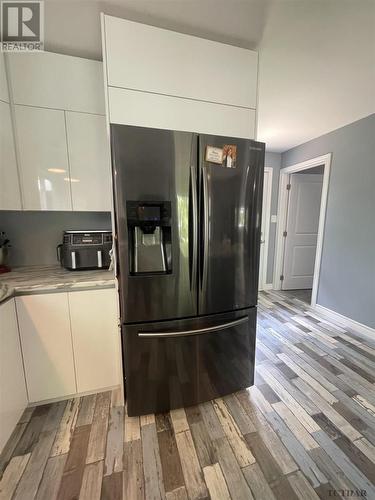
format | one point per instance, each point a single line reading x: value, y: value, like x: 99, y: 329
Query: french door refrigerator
x: 188, y: 214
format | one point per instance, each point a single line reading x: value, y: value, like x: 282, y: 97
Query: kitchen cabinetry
x: 70, y: 342
x: 13, y: 396
x: 57, y: 81
x: 89, y: 161
x: 47, y: 345
x: 10, y: 196
x: 95, y: 336
x: 163, y: 79
x: 64, y: 160
x: 43, y: 157
x: 159, y: 111
x: 60, y: 134
x: 151, y: 59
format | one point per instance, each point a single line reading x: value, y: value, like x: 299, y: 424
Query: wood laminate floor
x: 305, y: 429
x: 304, y: 295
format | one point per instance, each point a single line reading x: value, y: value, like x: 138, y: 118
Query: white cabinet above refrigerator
x: 151, y: 59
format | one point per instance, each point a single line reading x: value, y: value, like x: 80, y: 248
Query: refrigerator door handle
x: 200, y: 331
x: 204, y: 229
x: 193, y: 228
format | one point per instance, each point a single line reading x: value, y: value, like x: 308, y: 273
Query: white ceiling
x: 73, y: 26
x: 317, y: 69
x: 316, y: 56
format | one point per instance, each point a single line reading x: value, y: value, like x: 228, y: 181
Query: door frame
x: 282, y: 210
x: 263, y: 278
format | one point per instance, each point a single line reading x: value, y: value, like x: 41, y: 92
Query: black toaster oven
x: 85, y: 250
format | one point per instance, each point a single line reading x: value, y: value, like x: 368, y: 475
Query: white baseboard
x: 345, y: 321
x: 268, y: 286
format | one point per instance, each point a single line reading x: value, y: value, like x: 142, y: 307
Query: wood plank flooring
x: 302, y: 295
x: 306, y: 429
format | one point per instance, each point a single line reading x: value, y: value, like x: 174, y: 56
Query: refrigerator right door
x: 230, y: 188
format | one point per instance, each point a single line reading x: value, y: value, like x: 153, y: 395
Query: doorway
x: 303, y: 193
x: 265, y: 225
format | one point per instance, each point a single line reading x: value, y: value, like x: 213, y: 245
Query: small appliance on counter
x: 85, y: 250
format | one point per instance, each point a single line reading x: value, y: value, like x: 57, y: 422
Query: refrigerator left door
x: 155, y: 170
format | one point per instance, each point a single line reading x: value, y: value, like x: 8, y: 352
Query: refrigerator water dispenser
x: 149, y: 229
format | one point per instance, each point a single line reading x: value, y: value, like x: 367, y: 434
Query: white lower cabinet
x: 13, y: 396
x: 95, y: 338
x: 47, y: 345
x: 70, y: 342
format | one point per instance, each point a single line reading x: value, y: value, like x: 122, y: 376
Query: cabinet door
x: 44, y: 169
x: 143, y: 109
x: 151, y: 59
x: 10, y: 198
x: 89, y: 161
x: 57, y: 81
x: 95, y: 338
x: 47, y: 345
x: 13, y: 396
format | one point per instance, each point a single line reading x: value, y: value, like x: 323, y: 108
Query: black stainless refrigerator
x: 187, y: 233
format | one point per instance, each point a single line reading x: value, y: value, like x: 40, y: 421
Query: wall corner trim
x: 345, y: 321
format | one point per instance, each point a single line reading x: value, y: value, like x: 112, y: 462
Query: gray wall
x: 272, y: 160
x: 347, y: 275
x: 35, y: 235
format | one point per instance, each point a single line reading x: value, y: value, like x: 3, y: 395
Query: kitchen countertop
x: 46, y: 279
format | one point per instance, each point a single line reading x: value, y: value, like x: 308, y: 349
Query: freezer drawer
x: 172, y: 364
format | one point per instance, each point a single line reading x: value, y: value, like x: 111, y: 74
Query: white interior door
x: 266, y: 213
x: 301, y: 230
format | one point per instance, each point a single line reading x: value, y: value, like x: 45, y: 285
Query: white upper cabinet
x: 159, y: 111
x: 4, y: 94
x: 57, y: 81
x: 44, y: 168
x: 150, y: 59
x: 89, y: 160
x: 10, y: 197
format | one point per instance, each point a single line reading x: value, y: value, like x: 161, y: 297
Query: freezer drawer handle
x: 201, y: 331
